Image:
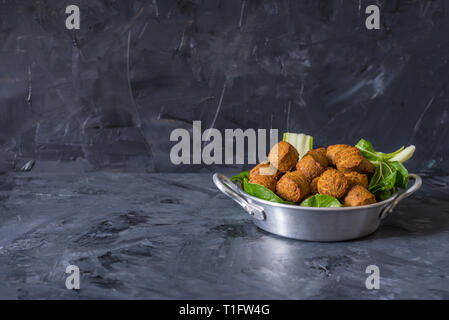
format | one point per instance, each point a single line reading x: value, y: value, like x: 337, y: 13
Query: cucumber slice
x: 300, y: 141
x: 404, y: 155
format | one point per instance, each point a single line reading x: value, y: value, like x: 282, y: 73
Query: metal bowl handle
x: 230, y: 189
x: 408, y: 192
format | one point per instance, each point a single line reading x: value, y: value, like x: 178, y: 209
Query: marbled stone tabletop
x: 175, y: 236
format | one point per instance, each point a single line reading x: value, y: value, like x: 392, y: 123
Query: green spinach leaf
x: 402, y: 174
x: 368, y: 151
x: 366, y: 148
x: 388, y: 175
x: 261, y: 192
x: 321, y: 201
x: 384, y: 178
x: 256, y: 190
x: 384, y: 195
x: 240, y: 177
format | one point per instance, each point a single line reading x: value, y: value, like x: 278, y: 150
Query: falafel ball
x: 267, y: 181
x: 359, y: 196
x: 314, y: 186
x: 366, y: 167
x: 265, y: 169
x: 332, y: 150
x: 319, y: 155
x: 333, y: 183
x: 348, y: 159
x: 356, y: 178
x: 309, y: 167
x: 293, y: 186
x: 283, y: 156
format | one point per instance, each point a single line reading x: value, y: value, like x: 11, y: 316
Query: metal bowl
x: 314, y: 224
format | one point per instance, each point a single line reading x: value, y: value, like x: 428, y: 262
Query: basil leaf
x: 261, y: 192
x: 240, y: 177
x: 321, y: 201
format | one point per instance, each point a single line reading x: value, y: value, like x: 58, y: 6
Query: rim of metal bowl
x: 291, y: 206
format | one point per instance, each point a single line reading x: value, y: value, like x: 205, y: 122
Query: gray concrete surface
x: 172, y: 236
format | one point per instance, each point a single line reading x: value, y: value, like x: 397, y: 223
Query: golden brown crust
x: 314, y: 186
x: 309, y: 167
x: 359, y: 196
x: 348, y: 159
x: 332, y: 150
x: 283, y: 156
x: 267, y: 181
x: 293, y: 186
x: 319, y: 155
x: 265, y: 169
x: 367, y: 167
x: 333, y: 183
x: 356, y: 178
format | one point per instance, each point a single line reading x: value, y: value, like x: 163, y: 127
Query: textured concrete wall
x: 108, y: 95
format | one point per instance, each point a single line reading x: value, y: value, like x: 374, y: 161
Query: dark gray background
x: 104, y: 99
x: 108, y: 95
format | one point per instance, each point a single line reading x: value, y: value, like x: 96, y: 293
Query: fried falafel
x: 332, y: 150
x: 265, y: 169
x: 359, y: 196
x: 314, y: 186
x: 283, y: 156
x: 348, y: 159
x: 293, y: 186
x: 333, y: 183
x: 356, y: 178
x: 366, y: 167
x: 319, y: 155
x: 309, y: 167
x: 267, y: 181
